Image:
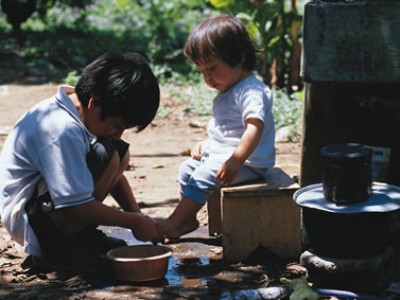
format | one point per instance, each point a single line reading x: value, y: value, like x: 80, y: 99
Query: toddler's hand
x: 196, y: 151
x: 228, y: 171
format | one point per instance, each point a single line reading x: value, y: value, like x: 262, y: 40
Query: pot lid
x: 384, y: 198
x: 346, y: 154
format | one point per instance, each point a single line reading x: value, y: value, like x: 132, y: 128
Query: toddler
x: 241, y: 133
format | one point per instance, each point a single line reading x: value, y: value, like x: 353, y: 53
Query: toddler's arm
x: 248, y: 143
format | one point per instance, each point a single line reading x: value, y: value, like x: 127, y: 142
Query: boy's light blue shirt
x: 46, y: 150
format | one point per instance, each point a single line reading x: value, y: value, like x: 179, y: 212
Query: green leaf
x: 221, y: 3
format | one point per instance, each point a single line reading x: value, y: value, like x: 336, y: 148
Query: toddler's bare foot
x: 173, y: 232
x: 167, y: 229
x: 189, y: 226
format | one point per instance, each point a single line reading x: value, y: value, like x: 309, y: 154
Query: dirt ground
x: 155, y: 157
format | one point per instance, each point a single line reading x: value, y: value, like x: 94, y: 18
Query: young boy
x: 65, y: 155
x: 241, y: 134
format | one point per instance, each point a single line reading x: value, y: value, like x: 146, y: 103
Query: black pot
x: 337, y: 235
x: 346, y: 173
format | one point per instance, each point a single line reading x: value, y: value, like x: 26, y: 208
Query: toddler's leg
x: 197, y: 181
x: 183, y: 220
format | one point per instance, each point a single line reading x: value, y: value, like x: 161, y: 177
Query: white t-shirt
x: 249, y: 98
x: 46, y: 149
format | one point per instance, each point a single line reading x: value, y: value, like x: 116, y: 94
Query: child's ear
x: 91, y: 104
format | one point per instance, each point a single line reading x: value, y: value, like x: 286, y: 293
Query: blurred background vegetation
x: 52, y: 40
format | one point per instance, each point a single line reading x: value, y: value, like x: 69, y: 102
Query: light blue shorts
x: 197, y: 177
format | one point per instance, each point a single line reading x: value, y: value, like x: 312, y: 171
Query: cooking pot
x: 346, y: 172
x: 357, y: 230
x: 355, y: 235
x: 140, y: 262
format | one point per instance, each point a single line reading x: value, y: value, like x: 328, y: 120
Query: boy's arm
x: 248, y: 143
x: 122, y: 193
x: 95, y: 213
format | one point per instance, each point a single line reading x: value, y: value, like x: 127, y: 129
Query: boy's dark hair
x: 224, y: 37
x: 123, y: 85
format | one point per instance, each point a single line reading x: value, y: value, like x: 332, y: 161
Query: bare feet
x: 190, y: 226
x: 172, y: 231
x: 182, y: 220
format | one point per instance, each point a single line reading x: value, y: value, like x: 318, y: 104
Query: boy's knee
x: 114, y: 163
x: 124, y: 160
x: 106, y: 156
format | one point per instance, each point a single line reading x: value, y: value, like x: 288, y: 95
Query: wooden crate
x: 261, y: 214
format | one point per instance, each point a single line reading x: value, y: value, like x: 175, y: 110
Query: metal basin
x: 139, y: 263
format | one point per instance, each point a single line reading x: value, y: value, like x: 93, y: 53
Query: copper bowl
x: 139, y: 263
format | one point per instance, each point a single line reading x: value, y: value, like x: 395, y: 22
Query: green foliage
x: 72, y: 78
x: 288, y: 111
x: 65, y: 35
x: 70, y: 36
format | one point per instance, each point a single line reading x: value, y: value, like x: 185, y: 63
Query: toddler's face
x: 219, y: 75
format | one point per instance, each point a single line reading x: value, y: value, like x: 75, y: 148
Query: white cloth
x: 249, y: 98
x: 46, y: 149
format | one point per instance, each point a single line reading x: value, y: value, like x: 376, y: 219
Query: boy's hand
x: 228, y: 171
x: 147, y: 229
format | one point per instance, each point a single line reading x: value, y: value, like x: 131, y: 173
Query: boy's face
x: 110, y: 128
x: 219, y: 75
